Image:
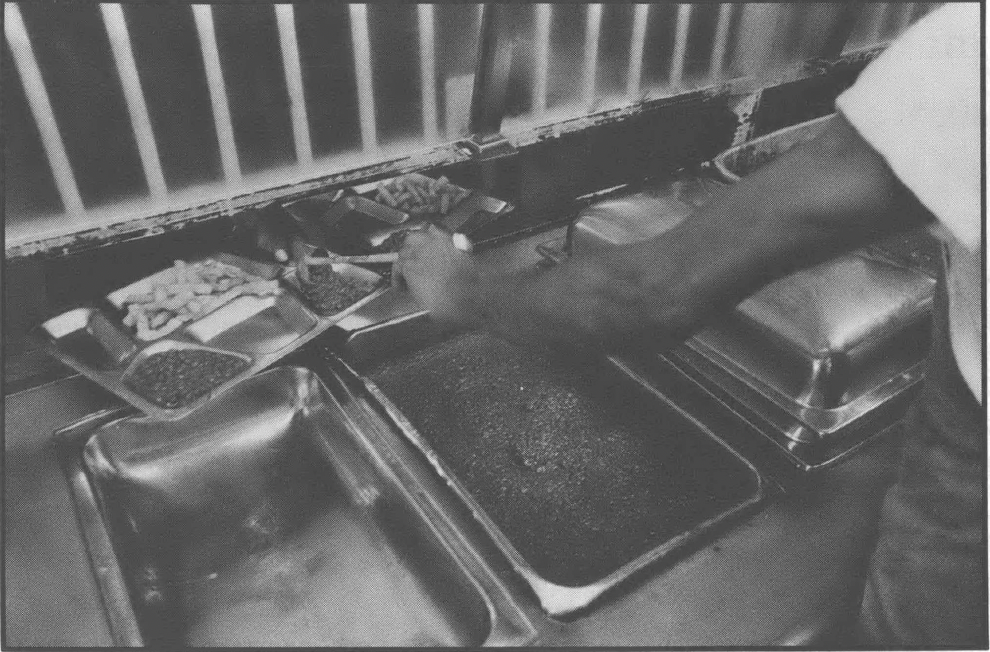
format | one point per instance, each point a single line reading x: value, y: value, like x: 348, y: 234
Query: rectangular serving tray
x: 371, y: 345
x: 92, y: 340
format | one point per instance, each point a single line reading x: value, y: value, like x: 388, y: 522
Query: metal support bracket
x: 491, y: 83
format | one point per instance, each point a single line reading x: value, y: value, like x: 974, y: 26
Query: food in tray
x: 418, y: 194
x: 165, y: 302
x: 177, y: 377
x: 329, y: 292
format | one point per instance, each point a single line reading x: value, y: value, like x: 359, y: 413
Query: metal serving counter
x: 784, y: 574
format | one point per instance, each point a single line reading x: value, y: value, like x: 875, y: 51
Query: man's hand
x: 442, y: 278
x: 276, y: 234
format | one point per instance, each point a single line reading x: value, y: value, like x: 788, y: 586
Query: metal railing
x: 727, y: 39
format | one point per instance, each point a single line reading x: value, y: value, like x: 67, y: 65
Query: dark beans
x: 329, y: 292
x: 582, y: 475
x: 176, y: 378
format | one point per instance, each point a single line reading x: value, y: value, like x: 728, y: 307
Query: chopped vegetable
x: 191, y: 292
x: 420, y: 195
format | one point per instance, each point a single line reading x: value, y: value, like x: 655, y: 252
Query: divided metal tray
x: 93, y: 341
x: 352, y: 223
x: 736, y: 162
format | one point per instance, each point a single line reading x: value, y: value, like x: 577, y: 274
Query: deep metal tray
x: 281, y: 516
x: 563, y: 587
x: 92, y: 340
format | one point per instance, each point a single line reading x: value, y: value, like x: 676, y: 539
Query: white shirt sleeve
x: 918, y: 105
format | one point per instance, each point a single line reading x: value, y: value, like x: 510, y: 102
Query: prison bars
x: 117, y: 30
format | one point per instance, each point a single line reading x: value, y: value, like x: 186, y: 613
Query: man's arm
x: 828, y: 196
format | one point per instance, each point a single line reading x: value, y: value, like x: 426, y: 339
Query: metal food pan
x: 828, y: 344
x: 582, y: 570
x: 279, y: 517
x: 92, y: 340
x: 736, y: 162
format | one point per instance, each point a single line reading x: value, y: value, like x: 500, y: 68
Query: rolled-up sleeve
x: 918, y: 105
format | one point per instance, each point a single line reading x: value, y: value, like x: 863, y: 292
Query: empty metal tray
x: 827, y: 343
x: 278, y: 517
x: 736, y: 162
x: 581, y: 476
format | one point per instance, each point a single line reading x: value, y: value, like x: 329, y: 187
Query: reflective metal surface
x: 92, y: 340
x: 278, y: 517
x: 568, y: 583
x: 823, y: 342
x: 815, y: 352
x: 347, y: 225
x: 738, y: 161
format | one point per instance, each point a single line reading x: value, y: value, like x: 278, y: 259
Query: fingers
x: 398, y: 280
x: 299, y: 252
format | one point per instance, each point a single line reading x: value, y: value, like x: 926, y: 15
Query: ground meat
x: 178, y: 377
x: 582, y: 475
x: 329, y: 292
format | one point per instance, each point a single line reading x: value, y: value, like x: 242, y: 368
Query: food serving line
x: 366, y: 479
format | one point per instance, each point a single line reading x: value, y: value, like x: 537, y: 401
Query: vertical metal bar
x: 680, y: 44
x: 717, y: 64
x: 362, y: 72
x: 877, y: 20
x: 428, y: 71
x: 491, y: 78
x: 636, y: 46
x: 758, y: 37
x: 541, y: 56
x: 592, y: 34
x: 203, y: 15
x: 904, y: 20
x: 41, y: 108
x: 120, y: 43
x: 840, y: 21
x: 285, y: 16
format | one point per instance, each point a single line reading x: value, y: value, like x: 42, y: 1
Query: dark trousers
x: 927, y: 581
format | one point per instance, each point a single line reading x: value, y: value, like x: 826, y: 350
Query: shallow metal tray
x: 281, y: 516
x: 820, y: 338
x: 352, y: 223
x: 736, y: 162
x: 348, y: 225
x: 829, y: 343
x: 370, y: 346
x: 92, y: 340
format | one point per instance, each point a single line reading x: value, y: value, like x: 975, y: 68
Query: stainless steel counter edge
x: 770, y: 578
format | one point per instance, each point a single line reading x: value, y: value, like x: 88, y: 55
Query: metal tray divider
x: 425, y: 504
x: 121, y: 618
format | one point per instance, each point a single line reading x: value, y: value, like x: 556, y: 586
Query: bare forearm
x: 828, y: 196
